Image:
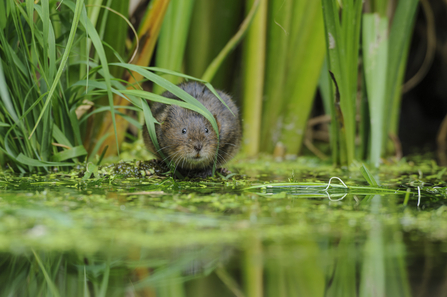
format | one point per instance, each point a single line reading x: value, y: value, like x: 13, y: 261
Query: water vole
x: 187, y: 138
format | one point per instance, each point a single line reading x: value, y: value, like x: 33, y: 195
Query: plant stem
x: 306, y: 55
x: 173, y: 36
x: 148, y: 35
x: 278, y: 35
x: 253, y: 268
x: 215, y: 64
x: 254, y: 57
x: 375, y: 54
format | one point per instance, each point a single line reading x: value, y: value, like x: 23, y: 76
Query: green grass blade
x: 72, y: 153
x: 17, y: 60
x: 173, y: 37
x: 333, y: 45
x: 107, y: 108
x: 375, y: 53
x: 212, y: 68
x: 342, y: 39
x: 214, y: 23
x: 278, y: 35
x: 132, y: 96
x: 344, y: 270
x: 3, y: 15
x: 45, y: 16
x: 326, y: 94
x: 400, y: 35
x: 85, y: 284
x: 373, y: 271
x: 5, y: 96
x: 75, y: 125
x: 209, y: 86
x: 174, y: 90
x: 380, y: 7
x: 368, y: 176
x: 303, y: 74
x: 46, y: 136
x: 253, y: 79
x: 76, y: 19
x: 91, y: 31
x: 35, y: 163
x: 48, y: 279
x: 114, y: 38
x: 97, y: 147
x: 105, y: 281
x: 60, y: 137
x: 150, y: 125
x: 102, y: 155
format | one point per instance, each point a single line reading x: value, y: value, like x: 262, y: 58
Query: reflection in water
x: 171, y: 239
x: 349, y: 265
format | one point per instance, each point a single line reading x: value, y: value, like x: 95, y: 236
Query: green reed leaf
x: 368, y: 176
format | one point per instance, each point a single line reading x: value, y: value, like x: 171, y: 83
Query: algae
x: 117, y: 204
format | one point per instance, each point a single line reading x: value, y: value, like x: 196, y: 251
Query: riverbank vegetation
x: 74, y: 74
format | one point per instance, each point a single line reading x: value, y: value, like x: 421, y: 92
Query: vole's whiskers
x: 178, y: 157
x: 219, y: 155
x: 173, y: 155
x: 175, y: 169
x: 164, y: 148
x: 228, y: 143
x: 221, y: 151
x: 170, y: 155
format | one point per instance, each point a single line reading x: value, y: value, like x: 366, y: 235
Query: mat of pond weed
x: 66, y: 212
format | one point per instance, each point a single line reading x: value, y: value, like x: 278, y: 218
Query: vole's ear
x: 217, y: 121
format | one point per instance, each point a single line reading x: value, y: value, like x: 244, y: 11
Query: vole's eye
x: 206, y: 130
x: 184, y: 131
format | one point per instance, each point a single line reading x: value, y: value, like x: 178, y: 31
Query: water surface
x: 62, y: 235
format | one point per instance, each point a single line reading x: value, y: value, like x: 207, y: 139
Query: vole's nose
x: 198, y: 147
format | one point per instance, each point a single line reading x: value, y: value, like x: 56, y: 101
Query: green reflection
x: 370, y: 265
x: 63, y: 235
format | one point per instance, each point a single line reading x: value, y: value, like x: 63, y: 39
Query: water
x: 62, y: 235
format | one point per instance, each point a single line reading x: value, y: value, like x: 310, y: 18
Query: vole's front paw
x: 223, y: 171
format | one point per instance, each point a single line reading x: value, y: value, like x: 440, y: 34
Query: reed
x: 103, y: 124
x: 295, y: 53
x: 116, y: 40
x: 384, y: 65
x: 216, y: 63
x: 49, y: 77
x: 207, y: 39
x: 43, y: 124
x: 34, y: 62
x: 373, y: 269
x: 199, y: 47
x: 278, y: 35
x: 375, y: 57
x: 399, y: 42
x: 173, y: 37
x: 342, y: 43
x: 252, y: 268
x: 384, y: 56
x: 342, y: 268
x: 253, y: 79
x: 305, y: 57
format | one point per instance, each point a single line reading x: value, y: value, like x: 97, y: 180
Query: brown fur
x: 182, y: 149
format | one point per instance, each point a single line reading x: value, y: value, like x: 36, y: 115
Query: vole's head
x: 190, y: 140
